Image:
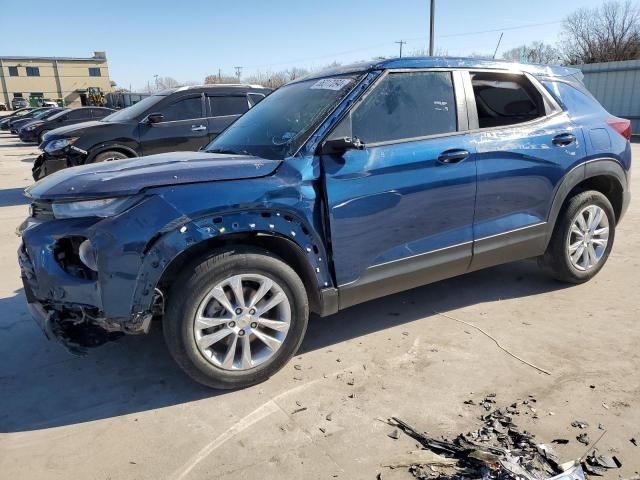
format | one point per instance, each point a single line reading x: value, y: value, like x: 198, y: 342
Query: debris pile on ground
x: 497, y: 450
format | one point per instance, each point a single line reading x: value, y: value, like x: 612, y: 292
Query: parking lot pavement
x: 126, y: 411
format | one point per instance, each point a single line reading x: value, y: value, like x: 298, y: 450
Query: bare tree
x: 607, y: 33
x: 167, y: 82
x: 536, y: 52
x: 220, y: 78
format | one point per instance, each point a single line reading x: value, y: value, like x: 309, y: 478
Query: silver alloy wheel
x: 588, y: 237
x: 242, y: 322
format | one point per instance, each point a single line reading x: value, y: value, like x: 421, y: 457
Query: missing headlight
x: 67, y: 254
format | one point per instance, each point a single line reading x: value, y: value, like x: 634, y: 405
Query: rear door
x: 183, y: 127
x: 74, y: 116
x: 401, y: 209
x: 525, y: 144
x: 223, y: 111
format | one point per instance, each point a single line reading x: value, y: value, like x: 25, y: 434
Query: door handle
x: 453, y: 156
x: 198, y: 128
x: 564, y: 139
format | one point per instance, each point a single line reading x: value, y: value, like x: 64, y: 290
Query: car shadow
x: 11, y: 197
x: 137, y: 374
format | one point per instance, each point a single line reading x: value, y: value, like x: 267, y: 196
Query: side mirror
x: 340, y: 145
x: 155, y: 118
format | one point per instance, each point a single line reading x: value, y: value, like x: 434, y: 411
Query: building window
x: 95, y: 72
x: 33, y: 71
x: 17, y: 95
x: 13, y: 71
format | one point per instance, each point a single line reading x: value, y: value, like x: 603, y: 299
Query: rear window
x: 505, y: 99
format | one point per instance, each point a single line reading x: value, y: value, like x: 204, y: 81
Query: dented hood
x: 130, y: 176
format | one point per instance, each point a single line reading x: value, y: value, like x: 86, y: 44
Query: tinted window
x: 575, y: 98
x: 221, y: 106
x: 101, y: 113
x: 33, y: 71
x: 505, y: 99
x: 13, y: 71
x: 94, y: 72
x: 254, y: 98
x: 184, y: 109
x: 78, y: 114
x: 406, y: 105
x: 146, y: 105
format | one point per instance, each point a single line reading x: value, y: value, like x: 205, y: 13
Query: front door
x: 183, y: 127
x: 401, y: 209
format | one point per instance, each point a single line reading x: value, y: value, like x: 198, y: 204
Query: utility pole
x: 238, y: 73
x: 498, y: 45
x: 156, y: 78
x: 219, y: 75
x: 400, y: 42
x: 432, y: 29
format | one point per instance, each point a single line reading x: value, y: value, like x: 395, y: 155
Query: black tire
x: 556, y: 260
x: 41, y: 135
x: 108, y: 156
x: 188, y: 291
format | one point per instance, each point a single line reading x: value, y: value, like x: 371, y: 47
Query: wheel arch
x: 604, y: 175
x: 282, y: 234
x: 117, y: 147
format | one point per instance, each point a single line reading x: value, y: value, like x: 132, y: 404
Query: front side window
x: 280, y: 124
x: 13, y: 71
x: 505, y: 99
x: 404, y: 106
x: 185, y: 109
x: 33, y: 71
x: 95, y: 72
x: 222, y: 106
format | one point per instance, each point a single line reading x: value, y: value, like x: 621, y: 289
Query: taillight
x: 620, y: 125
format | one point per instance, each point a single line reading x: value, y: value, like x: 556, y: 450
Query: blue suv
x: 338, y: 188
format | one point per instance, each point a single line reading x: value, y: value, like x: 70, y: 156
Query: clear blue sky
x: 189, y: 39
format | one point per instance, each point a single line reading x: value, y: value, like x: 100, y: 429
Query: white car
x: 50, y: 103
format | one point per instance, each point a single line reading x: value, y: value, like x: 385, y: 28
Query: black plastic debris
x: 560, y: 441
x: 579, y: 424
x: 583, y: 438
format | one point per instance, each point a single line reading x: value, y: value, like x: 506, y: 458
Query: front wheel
x: 108, y: 156
x: 582, y: 239
x: 235, y: 318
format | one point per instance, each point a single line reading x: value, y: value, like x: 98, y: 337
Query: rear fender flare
x: 592, y: 168
x: 185, y: 233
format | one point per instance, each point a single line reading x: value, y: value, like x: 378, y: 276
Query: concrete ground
x: 127, y: 412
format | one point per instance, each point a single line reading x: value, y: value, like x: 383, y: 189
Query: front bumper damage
x: 48, y: 163
x: 64, y: 300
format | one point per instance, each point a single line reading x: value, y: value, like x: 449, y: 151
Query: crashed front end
x: 70, y: 287
x: 57, y: 155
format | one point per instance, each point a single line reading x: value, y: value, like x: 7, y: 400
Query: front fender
x: 185, y: 233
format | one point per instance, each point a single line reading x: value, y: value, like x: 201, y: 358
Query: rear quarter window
x: 576, y: 100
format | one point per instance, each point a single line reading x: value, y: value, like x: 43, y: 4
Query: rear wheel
x: 108, y: 156
x: 235, y: 318
x: 582, y: 239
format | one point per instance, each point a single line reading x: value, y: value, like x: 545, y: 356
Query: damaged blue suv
x: 338, y: 188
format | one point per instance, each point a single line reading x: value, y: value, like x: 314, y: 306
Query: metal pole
x: 498, y: 45
x: 432, y: 26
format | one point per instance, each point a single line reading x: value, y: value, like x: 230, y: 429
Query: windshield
x: 134, y: 111
x: 45, y: 114
x: 277, y: 126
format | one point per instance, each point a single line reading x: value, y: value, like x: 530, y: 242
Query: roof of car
x: 223, y: 88
x: 446, y: 62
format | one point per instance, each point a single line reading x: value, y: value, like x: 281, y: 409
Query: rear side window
x: 505, y: 99
x: 575, y: 98
x: 221, y: 106
x: 184, y: 109
x: 78, y: 114
x: 405, y: 106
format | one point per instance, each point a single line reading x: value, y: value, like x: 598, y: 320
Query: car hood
x: 131, y: 176
x: 76, y: 129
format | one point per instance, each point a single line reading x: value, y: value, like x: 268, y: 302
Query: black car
x: 183, y: 118
x: 38, y: 118
x: 66, y: 119
x: 28, y: 112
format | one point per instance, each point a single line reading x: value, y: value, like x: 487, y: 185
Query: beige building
x: 73, y: 80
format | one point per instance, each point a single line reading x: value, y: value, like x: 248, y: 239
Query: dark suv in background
x: 183, y: 118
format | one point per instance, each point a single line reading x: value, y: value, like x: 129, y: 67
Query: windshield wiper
x: 225, y: 150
